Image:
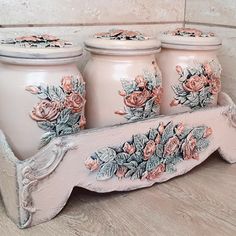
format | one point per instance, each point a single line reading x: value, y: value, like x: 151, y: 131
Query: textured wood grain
x: 200, y: 203
x: 89, y: 12
x: 211, y: 11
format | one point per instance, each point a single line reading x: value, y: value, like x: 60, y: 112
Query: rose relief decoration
x: 197, y: 85
x: 189, y: 32
x: 37, y: 41
x: 148, y: 156
x: 120, y: 34
x: 141, y: 96
x: 61, y: 108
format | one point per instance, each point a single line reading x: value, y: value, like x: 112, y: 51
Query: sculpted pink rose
x: 157, y: 94
x: 121, y: 171
x: 137, y: 98
x: 91, y: 164
x: 171, y: 146
x: 130, y: 149
x: 75, y: 102
x: 195, y: 83
x: 149, y: 149
x: 156, y: 172
x: 189, y: 148
x: 208, y: 69
x: 46, y: 111
x: 66, y: 84
x: 215, y: 84
x: 140, y: 81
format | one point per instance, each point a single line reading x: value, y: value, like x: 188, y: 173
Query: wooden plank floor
x: 202, y: 202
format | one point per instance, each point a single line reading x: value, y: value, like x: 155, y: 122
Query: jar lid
x: 188, y: 37
x: 38, y: 47
x: 122, y: 42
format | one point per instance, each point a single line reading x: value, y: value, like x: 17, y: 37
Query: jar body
x: 191, y: 79
x: 119, y: 89
x: 38, y: 103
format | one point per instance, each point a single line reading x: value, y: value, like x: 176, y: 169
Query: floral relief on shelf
x: 120, y: 34
x: 189, y: 32
x: 148, y: 156
x: 37, y: 41
x: 141, y: 96
x: 61, y: 108
x: 198, y: 85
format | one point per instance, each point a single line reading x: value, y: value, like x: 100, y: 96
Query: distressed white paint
x: 89, y: 11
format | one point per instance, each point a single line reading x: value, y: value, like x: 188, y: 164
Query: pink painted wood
x: 35, y: 190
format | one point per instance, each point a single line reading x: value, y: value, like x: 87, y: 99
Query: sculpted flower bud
x: 179, y: 129
x: 91, y: 164
x: 130, y: 149
x: 208, y: 132
x: 179, y: 70
x: 122, y: 93
x: 32, y: 89
x: 158, y: 139
x: 161, y: 128
x: 66, y: 84
x: 174, y: 103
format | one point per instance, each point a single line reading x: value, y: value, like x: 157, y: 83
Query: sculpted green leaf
x: 148, y: 156
x: 107, y: 170
x: 106, y: 154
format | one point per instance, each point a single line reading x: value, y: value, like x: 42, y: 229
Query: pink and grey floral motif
x: 37, y: 41
x: 141, y: 96
x: 120, y: 34
x: 61, y: 108
x: 189, y: 32
x: 197, y: 85
x: 148, y: 156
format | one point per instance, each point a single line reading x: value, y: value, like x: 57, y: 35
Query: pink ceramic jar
x: 42, y: 93
x: 122, y: 78
x: 190, y: 69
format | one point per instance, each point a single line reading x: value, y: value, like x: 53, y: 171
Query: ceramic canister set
x: 127, y: 78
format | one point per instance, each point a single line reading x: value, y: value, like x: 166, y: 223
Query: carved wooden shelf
x: 124, y: 157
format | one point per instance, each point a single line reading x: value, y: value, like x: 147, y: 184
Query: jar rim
x: 39, y: 53
x: 121, y: 47
x: 197, y: 43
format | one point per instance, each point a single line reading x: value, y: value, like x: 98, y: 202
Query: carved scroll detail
x: 230, y: 113
x: 37, y: 169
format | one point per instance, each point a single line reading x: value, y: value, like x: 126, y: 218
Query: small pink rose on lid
x: 120, y: 34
